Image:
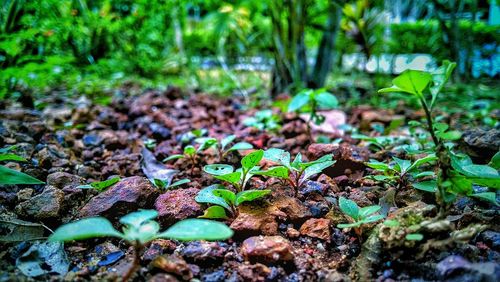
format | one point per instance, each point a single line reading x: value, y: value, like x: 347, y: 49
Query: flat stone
x: 46, y: 205
x: 128, y: 195
x: 267, y: 249
x: 348, y: 158
x: 178, y: 204
x: 316, y: 228
x: 254, y: 220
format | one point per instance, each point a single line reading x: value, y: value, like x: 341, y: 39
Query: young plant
x: 359, y: 216
x: 296, y: 172
x: 240, y: 177
x: 100, y: 185
x: 165, y: 185
x: 222, y: 146
x: 311, y: 101
x: 139, y: 229
x: 10, y: 176
x: 457, y: 173
x: 263, y: 120
x: 223, y: 198
x: 400, y: 171
x: 189, y: 153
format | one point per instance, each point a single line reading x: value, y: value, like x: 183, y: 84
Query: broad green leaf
x: 277, y: 171
x: 179, y: 182
x: 250, y: 195
x: 487, y: 182
x: 252, y: 159
x: 173, y: 157
x: 297, y: 161
x: 11, y: 157
x: 100, y: 185
x: 380, y: 166
x: 439, y: 79
x: 460, y: 185
x: 189, y: 150
x: 428, y: 186
x: 324, y: 158
x: 410, y: 81
x: 240, y: 146
x: 381, y: 177
x: 233, y: 177
x: 372, y: 218
x: 450, y: 135
x: 414, y: 237
x: 391, y: 223
x: 349, y: 207
x: 143, y: 233
x: 490, y: 197
x: 316, y: 168
x: 279, y: 156
x: 225, y: 194
x: 197, y: 229
x: 218, y: 169
x: 226, y: 141
x: 349, y: 225
x: 135, y: 219
x: 205, y: 143
x: 495, y: 161
x: 366, y: 211
x: 326, y: 100
x: 424, y: 174
x: 214, y: 212
x: 85, y: 229
x: 402, y: 166
x: 300, y: 100
x: 207, y: 196
x: 10, y: 176
x: 422, y: 161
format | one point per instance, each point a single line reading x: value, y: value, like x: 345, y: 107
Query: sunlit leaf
x: 214, y: 212
x: 250, y: 195
x: 10, y: 176
x: 218, y: 169
x: 252, y: 159
x: 85, y: 229
x: 197, y: 229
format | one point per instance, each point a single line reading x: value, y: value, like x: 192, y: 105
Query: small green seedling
x: 296, y: 172
x: 165, y: 185
x: 377, y: 143
x: 189, y: 153
x: 359, y: 216
x: 400, y: 171
x: 10, y: 176
x: 222, y: 147
x: 457, y: 173
x: 139, y: 229
x: 100, y: 185
x: 150, y: 143
x: 223, y: 198
x: 263, y: 120
x: 240, y: 177
x: 311, y: 101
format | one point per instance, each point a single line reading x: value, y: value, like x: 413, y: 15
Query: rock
x: 63, y: 179
x: 348, y: 158
x: 25, y: 194
x: 157, y: 248
x: 216, y: 276
x: 91, y: 140
x: 290, y: 209
x: 46, y: 205
x: 457, y: 268
x: 482, y: 144
x: 173, y: 264
x: 253, y: 272
x: 267, y: 249
x: 491, y: 238
x: 316, y: 228
x: 254, y: 220
x: 130, y: 194
x: 178, y: 204
x: 163, y: 277
x: 313, y: 187
x: 292, y: 233
x: 159, y: 131
x: 204, y: 251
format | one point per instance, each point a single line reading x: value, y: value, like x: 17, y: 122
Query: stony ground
x: 280, y: 238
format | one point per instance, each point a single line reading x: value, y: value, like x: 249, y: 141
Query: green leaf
x: 11, y: 157
x: 450, y: 135
x: 10, y: 176
x: 279, y: 156
x: 277, y: 171
x: 100, y: 185
x: 214, y: 212
x: 197, y: 229
x: 206, y: 142
x: 143, y: 233
x: 326, y: 100
x: 428, y: 186
x: 391, y: 223
x: 85, y: 229
x: 439, y: 79
x: 366, y: 211
x: 315, y: 169
x: 189, y: 150
x: 402, y: 166
x: 349, y: 207
x: 218, y: 169
x: 490, y: 197
x: 414, y: 237
x: 410, y: 81
x: 225, y: 194
x: 233, y: 177
x: 297, y: 161
x: 324, y: 158
x: 250, y: 195
x: 252, y: 159
x: 207, y: 196
x: 372, y: 218
x: 179, y: 182
x: 495, y: 161
x: 226, y: 141
x: 424, y: 174
x: 157, y: 182
x: 300, y: 100
x: 240, y: 146
x: 135, y: 219
x: 173, y: 157
x: 349, y: 225
x: 422, y: 161
x: 380, y: 166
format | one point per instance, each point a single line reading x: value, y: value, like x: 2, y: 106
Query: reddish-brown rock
x: 267, y: 249
x: 316, y: 228
x: 348, y: 158
x: 254, y: 220
x: 128, y: 195
x: 175, y: 205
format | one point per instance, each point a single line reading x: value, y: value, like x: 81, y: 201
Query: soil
x: 280, y: 238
